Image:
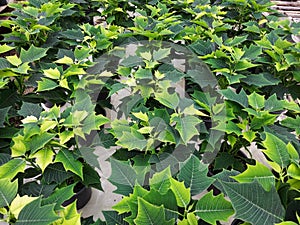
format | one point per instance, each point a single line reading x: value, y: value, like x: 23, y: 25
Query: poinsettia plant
x: 182, y: 136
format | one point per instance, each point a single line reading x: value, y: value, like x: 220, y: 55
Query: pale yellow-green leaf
x: 258, y: 172
x: 8, y: 74
x: 48, y: 125
x: 40, y: 27
x: 11, y: 168
x: 142, y: 116
x: 5, y: 48
x: 44, y: 157
x: 106, y: 74
x: 52, y: 73
x: 29, y: 119
x: 18, y: 148
x: 145, y: 130
x: 78, y: 131
x: 64, y: 83
x: 79, y: 116
x: 159, y: 75
x: 65, y: 136
x: 18, y: 204
x: 249, y: 135
x: 294, y: 171
x: 292, y: 151
x: 191, y: 110
x: 181, y: 193
x: 294, y: 183
x: 146, y: 55
x: 3, y: 211
x: 14, y: 60
x: 70, y: 216
x: 65, y: 60
x: 287, y: 223
x: 274, y: 166
x: 183, y: 222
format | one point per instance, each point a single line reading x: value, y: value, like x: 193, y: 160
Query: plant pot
x: 3, y: 2
x: 82, y: 195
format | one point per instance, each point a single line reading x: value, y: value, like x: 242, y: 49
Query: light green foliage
x: 194, y: 175
x: 8, y: 191
x: 276, y: 150
x: 214, y: 208
x: 262, y: 207
x: 43, y: 215
x: 10, y: 169
x: 258, y: 172
x: 49, y: 52
x: 150, y: 214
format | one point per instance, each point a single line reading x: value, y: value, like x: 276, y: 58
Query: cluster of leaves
x: 163, y: 137
x: 253, y: 56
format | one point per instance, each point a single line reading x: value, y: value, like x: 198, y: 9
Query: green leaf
x: 240, y: 98
x: 32, y: 54
x: 65, y: 60
x: 3, y: 115
x: 182, y: 193
x: 276, y: 150
x: 258, y: 172
x: 143, y: 74
x: 253, y: 204
x: 18, y: 204
x: 44, y: 157
x: 34, y: 213
x: 186, y: 127
x: 292, y: 152
x: 30, y: 109
x: 161, y: 181
x: 132, y: 141
x: 56, y: 173
x: 243, y: 65
x: 194, y: 175
x: 142, y: 116
x: 236, y: 40
x: 161, y: 53
x: 70, y: 215
x: 52, y: 73
x: 39, y: 141
x: 129, y: 203
x: 14, y: 60
x: 123, y: 176
x: 168, y: 200
x: 46, y: 85
x: 22, y: 69
x: 113, y: 218
x: 151, y: 214
x: 59, y: 196
x: 19, y: 146
x: 8, y: 191
x: 82, y: 53
x: 202, y: 47
x: 256, y: 101
x: 169, y: 100
x: 214, y: 208
x: 261, y: 80
x: 252, y: 52
x: 292, y: 123
x: 70, y: 163
x: 294, y: 171
x: 12, y: 168
x: 229, y: 127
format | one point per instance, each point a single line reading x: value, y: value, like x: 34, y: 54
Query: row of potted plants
x: 198, y: 83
